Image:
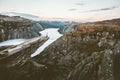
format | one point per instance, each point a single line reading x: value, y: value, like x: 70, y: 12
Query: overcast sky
x: 80, y: 10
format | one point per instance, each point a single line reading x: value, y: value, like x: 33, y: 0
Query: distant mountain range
x: 44, y: 22
x: 14, y: 27
x: 32, y: 17
x: 28, y: 16
x: 87, y: 51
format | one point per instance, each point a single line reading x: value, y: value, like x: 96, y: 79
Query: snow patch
x: 53, y: 35
x: 12, y: 42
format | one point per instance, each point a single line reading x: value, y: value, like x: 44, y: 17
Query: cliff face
x: 91, y: 52
x: 16, y: 27
x: 68, y: 28
x: 15, y: 61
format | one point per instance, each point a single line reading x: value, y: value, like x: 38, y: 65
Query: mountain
x: 38, y: 21
x: 52, y: 24
x: 28, y: 16
x: 16, y: 27
x: 12, y: 27
x: 90, y: 52
x: 68, y: 27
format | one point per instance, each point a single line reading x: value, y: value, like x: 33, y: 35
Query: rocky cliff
x: 90, y: 52
x: 15, y: 60
x: 68, y: 28
x: 16, y: 27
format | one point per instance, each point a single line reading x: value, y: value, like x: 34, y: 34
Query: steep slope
x: 15, y: 60
x: 52, y: 24
x: 68, y: 28
x: 16, y: 27
x: 91, y: 52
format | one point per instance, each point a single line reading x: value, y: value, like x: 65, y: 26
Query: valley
x: 48, y: 50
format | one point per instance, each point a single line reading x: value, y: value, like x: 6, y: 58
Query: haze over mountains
x: 83, y: 51
x: 59, y: 39
x: 14, y: 27
x: 28, y: 16
x: 34, y: 17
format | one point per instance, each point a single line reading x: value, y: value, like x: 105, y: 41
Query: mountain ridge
x: 87, y: 53
x: 90, y: 52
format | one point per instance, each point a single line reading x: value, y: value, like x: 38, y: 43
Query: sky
x: 76, y: 10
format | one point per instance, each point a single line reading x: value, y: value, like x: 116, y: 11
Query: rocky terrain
x: 16, y: 27
x: 68, y: 28
x: 13, y: 58
x: 52, y: 24
x: 90, y: 52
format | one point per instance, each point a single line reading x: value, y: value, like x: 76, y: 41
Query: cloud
x: 80, y: 4
x: 102, y: 9
x: 72, y: 9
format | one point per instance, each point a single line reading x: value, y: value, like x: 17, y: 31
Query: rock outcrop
x: 68, y: 28
x: 16, y: 27
x: 15, y: 61
x: 90, y: 52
